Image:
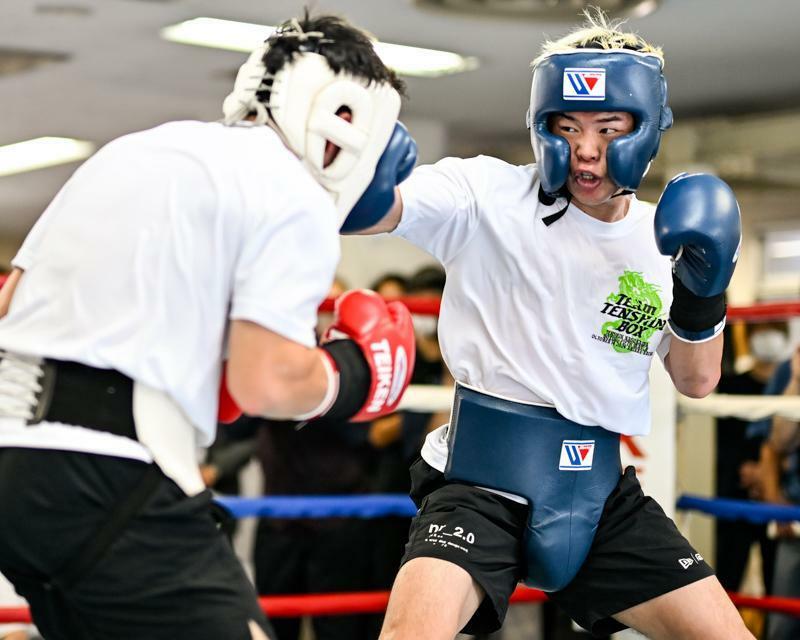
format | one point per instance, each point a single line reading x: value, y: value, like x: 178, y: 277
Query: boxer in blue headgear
x: 561, y: 288
x: 592, y: 80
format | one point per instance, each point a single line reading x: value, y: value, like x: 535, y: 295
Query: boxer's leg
x: 462, y: 561
x: 432, y: 599
x: 637, y: 572
x: 699, y: 611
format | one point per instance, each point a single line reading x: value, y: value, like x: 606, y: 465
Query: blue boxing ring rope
x: 328, y: 506
x: 749, y: 510
x: 395, y: 504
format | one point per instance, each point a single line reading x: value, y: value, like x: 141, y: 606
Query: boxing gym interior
x: 328, y: 514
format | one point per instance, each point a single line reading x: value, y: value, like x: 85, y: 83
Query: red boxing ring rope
x: 313, y: 604
x: 424, y: 306
x: 321, y: 604
x: 765, y: 311
x: 753, y: 313
x: 376, y: 601
x: 325, y: 604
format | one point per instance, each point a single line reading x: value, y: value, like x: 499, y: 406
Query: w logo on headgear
x: 576, y: 455
x: 584, y: 84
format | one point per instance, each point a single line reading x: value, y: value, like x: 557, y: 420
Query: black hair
x: 431, y: 277
x: 390, y: 277
x: 345, y: 47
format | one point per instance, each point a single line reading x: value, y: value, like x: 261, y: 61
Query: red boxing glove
x: 371, y: 346
x: 227, y: 411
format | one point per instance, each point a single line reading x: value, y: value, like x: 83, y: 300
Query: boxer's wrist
x: 331, y: 389
x: 353, y: 377
x: 694, y: 318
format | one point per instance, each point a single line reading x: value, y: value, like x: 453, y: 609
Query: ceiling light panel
x: 42, y: 152
x: 244, y: 37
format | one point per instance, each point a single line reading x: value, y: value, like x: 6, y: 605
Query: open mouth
x: 586, y: 179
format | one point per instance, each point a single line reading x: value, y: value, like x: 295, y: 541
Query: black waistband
x: 77, y: 394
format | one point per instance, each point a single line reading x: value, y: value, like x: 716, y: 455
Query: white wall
x: 762, y: 209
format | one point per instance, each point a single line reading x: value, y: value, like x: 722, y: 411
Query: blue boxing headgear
x: 599, y: 80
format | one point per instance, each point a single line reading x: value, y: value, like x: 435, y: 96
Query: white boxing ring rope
x: 433, y: 398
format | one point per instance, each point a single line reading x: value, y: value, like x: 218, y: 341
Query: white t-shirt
x: 567, y: 315
x: 151, y: 247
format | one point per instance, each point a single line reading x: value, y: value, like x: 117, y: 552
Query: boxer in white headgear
x: 198, y: 242
x: 289, y: 84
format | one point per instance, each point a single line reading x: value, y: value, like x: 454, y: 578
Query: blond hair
x: 599, y: 32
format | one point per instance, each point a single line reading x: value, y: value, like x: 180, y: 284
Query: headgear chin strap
x: 599, y: 80
x: 304, y: 97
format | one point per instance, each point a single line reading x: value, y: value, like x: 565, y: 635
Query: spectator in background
x: 386, y: 431
x: 233, y: 448
x: 313, y: 556
x: 390, y: 285
x: 780, y: 470
x: 410, y: 428
x: 738, y: 451
x: 428, y: 282
x: 231, y: 451
x: 399, y: 437
x: 407, y: 430
x: 387, y: 535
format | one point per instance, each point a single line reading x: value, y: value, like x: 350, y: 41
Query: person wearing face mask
x: 780, y: 478
x: 769, y: 343
x: 738, y: 450
x: 427, y: 282
x: 399, y: 437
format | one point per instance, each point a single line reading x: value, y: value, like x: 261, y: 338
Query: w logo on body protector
x: 584, y: 84
x: 576, y: 455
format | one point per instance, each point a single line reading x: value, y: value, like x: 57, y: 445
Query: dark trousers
x: 733, y: 541
x: 313, y: 557
x: 168, y: 574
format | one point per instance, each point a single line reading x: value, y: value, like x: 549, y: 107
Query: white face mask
x: 770, y: 345
x: 424, y: 326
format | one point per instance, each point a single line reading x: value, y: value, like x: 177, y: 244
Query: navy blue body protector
x: 565, y: 470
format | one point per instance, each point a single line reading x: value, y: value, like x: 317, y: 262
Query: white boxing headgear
x: 303, y: 99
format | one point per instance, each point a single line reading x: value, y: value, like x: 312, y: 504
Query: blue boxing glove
x: 698, y: 223
x: 393, y: 167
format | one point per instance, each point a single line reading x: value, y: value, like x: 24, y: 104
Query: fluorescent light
x: 644, y: 8
x: 42, y: 152
x: 218, y: 34
x: 245, y: 36
x: 415, y: 61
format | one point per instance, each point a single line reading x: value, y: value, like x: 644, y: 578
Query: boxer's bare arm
x: 695, y: 366
x: 270, y: 375
x: 7, y: 292
x: 390, y: 220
